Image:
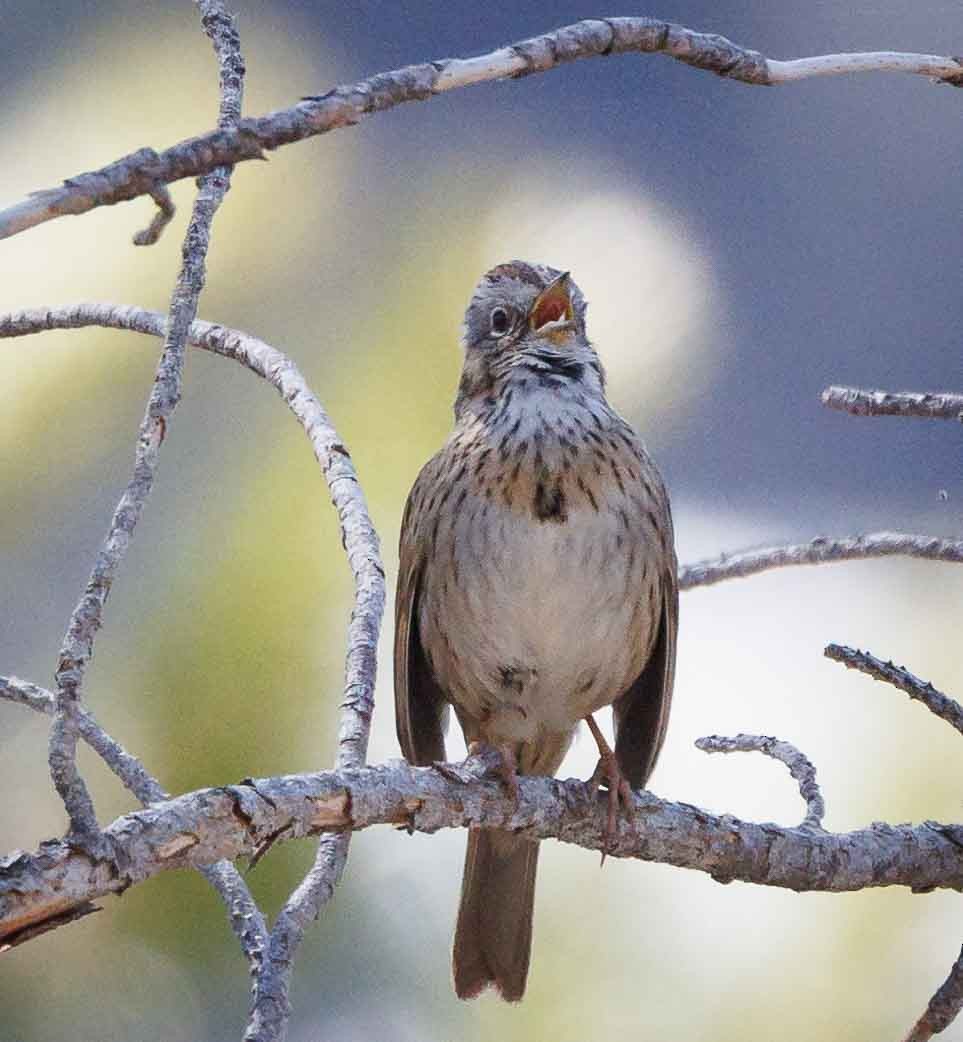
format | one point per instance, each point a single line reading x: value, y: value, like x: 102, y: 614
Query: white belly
x: 546, y: 621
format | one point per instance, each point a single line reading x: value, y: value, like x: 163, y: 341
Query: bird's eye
x: 499, y: 321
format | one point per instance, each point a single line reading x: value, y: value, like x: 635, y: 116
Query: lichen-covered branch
x: 943, y: 1007
x: 823, y: 550
x: 143, y: 171
x: 925, y: 405
x: 233, y: 821
x: 85, y: 620
x: 800, y: 766
x: 936, y: 702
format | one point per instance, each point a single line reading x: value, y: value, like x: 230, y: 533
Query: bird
x: 537, y: 584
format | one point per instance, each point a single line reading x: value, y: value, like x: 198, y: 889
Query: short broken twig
x: 861, y: 402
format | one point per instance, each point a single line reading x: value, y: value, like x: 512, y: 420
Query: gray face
x: 505, y: 339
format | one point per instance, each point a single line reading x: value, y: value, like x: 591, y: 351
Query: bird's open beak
x: 552, y: 312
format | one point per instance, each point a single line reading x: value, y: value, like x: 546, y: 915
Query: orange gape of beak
x: 553, y: 305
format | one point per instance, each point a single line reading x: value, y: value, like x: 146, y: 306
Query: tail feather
x: 493, y: 938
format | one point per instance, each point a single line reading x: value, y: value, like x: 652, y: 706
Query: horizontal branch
x: 234, y: 821
x: 817, y: 551
x: 858, y: 402
x: 936, y: 702
x: 141, y: 172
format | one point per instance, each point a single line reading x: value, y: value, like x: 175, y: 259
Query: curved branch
x: 230, y: 822
x: 800, y: 767
x: 141, y: 172
x: 361, y: 544
x: 818, y: 551
x: 925, y: 405
x: 936, y: 702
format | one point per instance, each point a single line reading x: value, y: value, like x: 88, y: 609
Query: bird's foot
x: 498, y: 761
x: 619, y: 790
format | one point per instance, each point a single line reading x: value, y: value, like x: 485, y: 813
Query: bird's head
x: 526, y: 320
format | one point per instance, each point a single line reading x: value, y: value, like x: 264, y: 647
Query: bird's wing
x: 420, y: 706
x: 641, y: 713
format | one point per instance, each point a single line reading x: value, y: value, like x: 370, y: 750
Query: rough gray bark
x: 936, y: 702
x: 245, y: 917
x: 233, y: 821
x: 144, y: 171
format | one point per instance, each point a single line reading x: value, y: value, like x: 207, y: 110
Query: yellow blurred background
x: 221, y: 656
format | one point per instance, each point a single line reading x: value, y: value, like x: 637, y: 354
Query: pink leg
x: 609, y: 772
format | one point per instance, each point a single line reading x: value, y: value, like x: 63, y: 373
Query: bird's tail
x: 493, y: 938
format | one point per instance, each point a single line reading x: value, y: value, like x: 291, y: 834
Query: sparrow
x: 537, y: 584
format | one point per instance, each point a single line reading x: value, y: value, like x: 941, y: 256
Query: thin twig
x: 861, y: 402
x: 246, y: 919
x: 800, y: 766
x: 823, y: 550
x: 78, y: 642
x: 227, y: 822
x: 943, y: 1007
x: 936, y: 702
x: 141, y: 172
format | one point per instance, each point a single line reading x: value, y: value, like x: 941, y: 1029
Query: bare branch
x: 78, y: 642
x: 932, y: 65
x: 943, y: 1007
x: 271, y: 1008
x: 141, y: 172
x: 246, y: 919
x: 800, y: 767
x: 230, y: 822
x: 894, y: 403
x: 940, y: 705
x: 823, y: 550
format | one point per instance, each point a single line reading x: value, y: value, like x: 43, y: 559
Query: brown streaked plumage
x: 537, y: 584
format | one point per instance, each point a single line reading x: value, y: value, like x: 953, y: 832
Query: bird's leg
x: 608, y: 771
x: 501, y: 761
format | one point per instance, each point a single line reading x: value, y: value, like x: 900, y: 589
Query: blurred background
x: 740, y: 249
